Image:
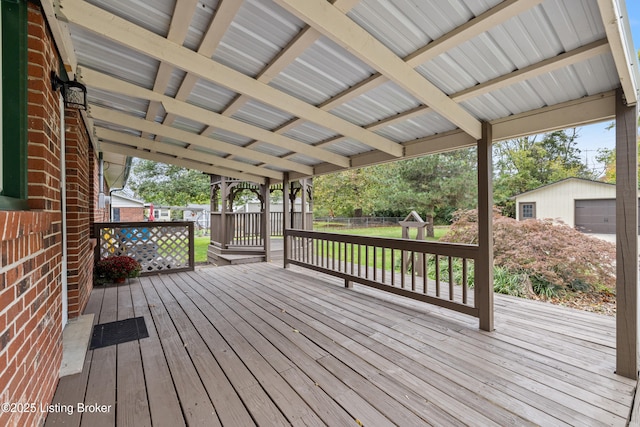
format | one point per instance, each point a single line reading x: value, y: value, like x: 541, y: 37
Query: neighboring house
x: 126, y: 209
x: 589, y: 206
x: 200, y: 214
x: 255, y: 206
x: 160, y: 213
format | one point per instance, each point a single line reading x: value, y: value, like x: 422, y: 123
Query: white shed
x: 587, y: 205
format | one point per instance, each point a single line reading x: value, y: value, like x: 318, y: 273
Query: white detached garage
x: 589, y: 206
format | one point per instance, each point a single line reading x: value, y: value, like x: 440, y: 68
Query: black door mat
x: 119, y: 332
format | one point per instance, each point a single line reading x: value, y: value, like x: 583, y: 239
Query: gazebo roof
x: 252, y: 89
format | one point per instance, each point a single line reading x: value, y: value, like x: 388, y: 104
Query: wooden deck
x: 260, y: 345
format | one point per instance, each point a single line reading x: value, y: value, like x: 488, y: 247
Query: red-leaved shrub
x: 549, y: 254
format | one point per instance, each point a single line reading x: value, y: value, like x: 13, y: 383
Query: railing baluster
x: 375, y: 263
x: 450, y: 278
x: 425, y: 273
x: 437, y: 259
x: 413, y: 271
x: 333, y: 255
x: 352, y: 261
x: 384, y: 267
x: 403, y: 267
x: 366, y: 261
x: 393, y: 267
x: 464, y: 280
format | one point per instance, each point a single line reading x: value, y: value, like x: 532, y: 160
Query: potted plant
x: 117, y: 269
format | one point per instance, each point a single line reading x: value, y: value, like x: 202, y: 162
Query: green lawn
x: 200, y: 246
x: 201, y: 243
x: 387, y: 232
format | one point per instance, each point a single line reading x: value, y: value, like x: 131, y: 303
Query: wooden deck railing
x: 277, y: 222
x: 161, y: 247
x: 244, y: 229
x: 437, y: 273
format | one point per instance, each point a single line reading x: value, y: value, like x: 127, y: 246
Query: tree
x: 608, y: 157
x: 353, y: 192
x: 526, y: 163
x: 164, y: 184
x: 438, y: 184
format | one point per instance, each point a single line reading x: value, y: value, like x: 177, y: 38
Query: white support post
x: 626, y: 238
x: 484, y: 263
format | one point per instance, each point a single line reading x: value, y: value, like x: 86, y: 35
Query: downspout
x: 63, y: 199
x: 101, y: 201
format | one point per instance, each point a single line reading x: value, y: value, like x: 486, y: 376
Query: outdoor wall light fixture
x: 73, y: 92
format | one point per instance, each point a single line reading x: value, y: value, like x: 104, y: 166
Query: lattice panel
x: 157, y: 247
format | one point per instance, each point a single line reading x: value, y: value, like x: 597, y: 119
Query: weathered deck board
x: 101, y: 388
x: 547, y: 382
x: 260, y: 345
x: 133, y: 406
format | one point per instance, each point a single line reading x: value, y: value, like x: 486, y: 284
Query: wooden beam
x: 180, y: 20
x: 62, y: 37
x: 440, y: 143
x: 342, y: 30
x: 579, y: 112
x: 173, y: 150
x: 154, y: 128
x: 128, y: 34
x: 241, y: 128
x: 470, y: 29
x: 577, y: 55
x: 616, y: 26
x: 225, y: 12
x: 583, y: 111
x: 484, y: 264
x: 195, y: 113
x: 498, y: 14
x: 302, y: 41
x: 183, y: 12
x: 626, y: 238
x: 574, y: 56
x: 179, y: 108
x: 163, y: 158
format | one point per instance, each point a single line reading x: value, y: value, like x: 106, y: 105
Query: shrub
x: 550, y: 258
x: 117, y: 267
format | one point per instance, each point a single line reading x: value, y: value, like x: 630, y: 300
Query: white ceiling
x: 251, y: 89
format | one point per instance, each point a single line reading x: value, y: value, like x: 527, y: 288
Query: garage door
x: 598, y: 216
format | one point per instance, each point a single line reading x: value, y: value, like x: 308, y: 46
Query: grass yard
x: 392, y: 232
x: 200, y: 245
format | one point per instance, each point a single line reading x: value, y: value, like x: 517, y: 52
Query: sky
x: 596, y: 136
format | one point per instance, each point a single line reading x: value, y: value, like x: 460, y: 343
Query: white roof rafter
x: 342, y: 30
x: 123, y: 32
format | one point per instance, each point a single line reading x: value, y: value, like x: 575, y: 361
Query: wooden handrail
x: 399, y: 266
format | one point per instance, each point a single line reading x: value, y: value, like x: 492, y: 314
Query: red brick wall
x: 79, y: 210
x: 131, y: 214
x: 31, y: 246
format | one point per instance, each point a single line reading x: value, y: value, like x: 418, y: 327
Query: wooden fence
x: 437, y: 273
x: 161, y: 247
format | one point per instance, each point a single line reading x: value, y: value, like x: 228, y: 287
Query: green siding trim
x: 14, y: 99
